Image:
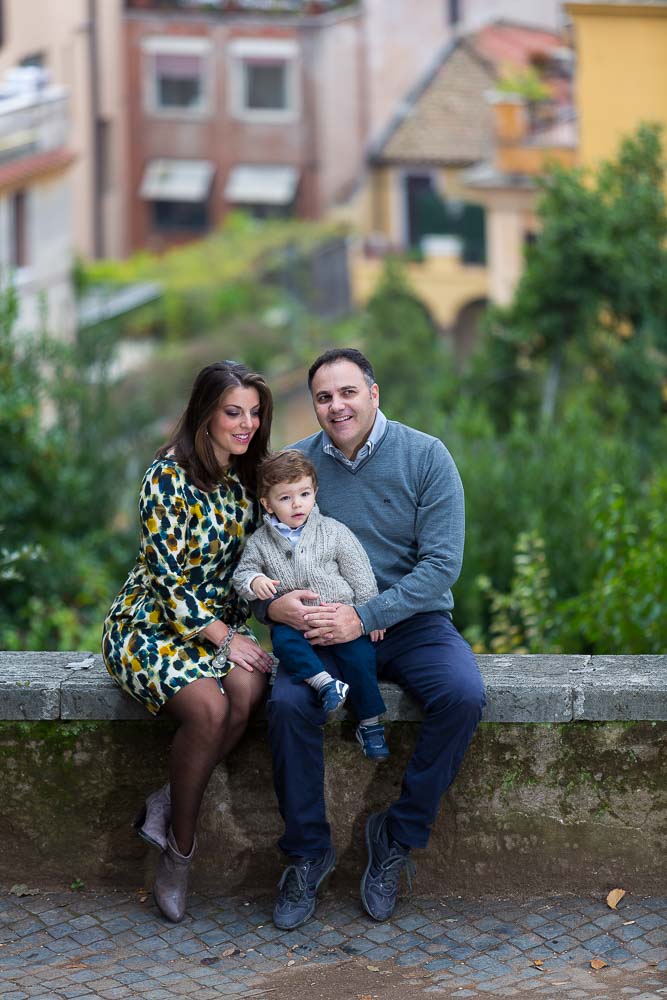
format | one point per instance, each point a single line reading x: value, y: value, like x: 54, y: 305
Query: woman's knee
x: 203, y: 706
x: 245, y: 692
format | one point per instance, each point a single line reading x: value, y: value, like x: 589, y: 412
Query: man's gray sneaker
x: 298, y: 886
x: 386, y: 861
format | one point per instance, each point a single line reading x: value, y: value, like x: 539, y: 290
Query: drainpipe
x: 96, y: 161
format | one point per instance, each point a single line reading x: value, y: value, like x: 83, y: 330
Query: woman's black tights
x: 210, y: 725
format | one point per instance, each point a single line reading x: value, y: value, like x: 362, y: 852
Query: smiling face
x: 291, y: 502
x: 232, y: 426
x: 345, y: 405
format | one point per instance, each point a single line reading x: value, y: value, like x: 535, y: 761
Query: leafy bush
x: 63, y: 448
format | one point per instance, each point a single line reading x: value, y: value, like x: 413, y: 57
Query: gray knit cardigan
x: 328, y: 559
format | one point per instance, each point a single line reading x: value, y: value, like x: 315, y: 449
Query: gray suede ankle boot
x: 154, y: 820
x: 171, y: 881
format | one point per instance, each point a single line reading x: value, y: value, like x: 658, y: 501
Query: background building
x: 36, y: 251
x: 78, y: 44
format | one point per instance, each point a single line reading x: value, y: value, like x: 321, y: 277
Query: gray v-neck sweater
x: 405, y: 504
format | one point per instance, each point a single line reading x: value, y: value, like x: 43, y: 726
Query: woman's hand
x: 247, y: 654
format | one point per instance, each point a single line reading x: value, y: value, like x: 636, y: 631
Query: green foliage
x: 214, y: 280
x: 525, y: 81
x: 521, y: 620
x: 624, y: 607
x: 412, y: 362
x: 598, y: 264
x: 63, y: 472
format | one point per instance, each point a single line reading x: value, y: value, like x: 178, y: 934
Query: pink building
x: 263, y: 105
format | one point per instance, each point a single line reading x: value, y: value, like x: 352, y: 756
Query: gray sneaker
x: 297, y: 895
x: 386, y: 861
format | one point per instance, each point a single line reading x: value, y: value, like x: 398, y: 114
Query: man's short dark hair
x: 343, y: 354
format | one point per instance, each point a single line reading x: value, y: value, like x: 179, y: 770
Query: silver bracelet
x: 222, y: 655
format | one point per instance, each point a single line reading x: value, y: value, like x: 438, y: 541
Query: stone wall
x: 573, y: 799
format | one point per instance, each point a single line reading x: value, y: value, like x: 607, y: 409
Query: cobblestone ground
x: 114, y: 946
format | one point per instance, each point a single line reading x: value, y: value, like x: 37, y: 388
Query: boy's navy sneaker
x: 386, y: 861
x: 297, y: 889
x: 333, y: 695
x: 372, y: 741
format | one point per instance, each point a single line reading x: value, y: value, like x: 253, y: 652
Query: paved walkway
x: 115, y: 946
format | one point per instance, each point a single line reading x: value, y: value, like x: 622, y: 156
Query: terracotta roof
x: 446, y: 119
x: 449, y: 121
x: 517, y: 44
x: 19, y: 171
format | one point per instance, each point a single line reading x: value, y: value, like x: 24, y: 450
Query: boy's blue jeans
x: 355, y: 662
x: 433, y: 663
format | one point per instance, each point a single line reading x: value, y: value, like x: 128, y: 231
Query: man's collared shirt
x: 367, y: 449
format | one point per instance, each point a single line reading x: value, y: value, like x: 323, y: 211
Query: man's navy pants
x: 435, y: 665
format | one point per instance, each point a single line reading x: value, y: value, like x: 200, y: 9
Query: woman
x: 176, y: 636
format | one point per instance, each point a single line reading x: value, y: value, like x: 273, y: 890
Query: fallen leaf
x: 538, y: 962
x: 365, y: 996
x: 22, y: 890
x: 210, y: 960
x: 626, y: 923
x: 597, y: 963
x: 227, y: 952
x: 614, y: 898
x: 291, y: 962
x: 373, y: 968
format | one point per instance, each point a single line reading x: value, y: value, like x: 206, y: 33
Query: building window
x: 265, y: 86
x: 180, y: 216
x: 18, y: 230
x: 35, y: 59
x: 264, y: 80
x: 177, y: 75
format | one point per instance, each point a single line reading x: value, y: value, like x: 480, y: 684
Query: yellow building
x: 621, y: 71
x: 453, y: 178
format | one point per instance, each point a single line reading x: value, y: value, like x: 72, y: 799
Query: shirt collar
x: 374, y: 438
x: 291, y: 534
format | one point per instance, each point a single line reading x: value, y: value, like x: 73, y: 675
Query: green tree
x: 63, y: 450
x: 412, y: 362
x: 594, y: 287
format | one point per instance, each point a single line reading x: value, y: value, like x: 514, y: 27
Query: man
x: 399, y: 491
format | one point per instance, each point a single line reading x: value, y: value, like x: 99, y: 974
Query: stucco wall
x: 59, y: 30
x: 621, y: 76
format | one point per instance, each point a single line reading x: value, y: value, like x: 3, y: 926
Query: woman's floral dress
x: 181, y: 582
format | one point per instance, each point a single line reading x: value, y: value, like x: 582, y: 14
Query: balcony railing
x: 32, y: 122
x: 235, y: 6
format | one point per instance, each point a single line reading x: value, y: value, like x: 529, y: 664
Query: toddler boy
x: 297, y: 548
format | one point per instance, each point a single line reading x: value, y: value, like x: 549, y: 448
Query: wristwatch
x: 222, y: 655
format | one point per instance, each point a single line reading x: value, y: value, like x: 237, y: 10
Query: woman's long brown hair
x: 190, y: 443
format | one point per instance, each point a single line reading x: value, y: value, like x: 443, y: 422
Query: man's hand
x: 332, y: 623
x: 263, y: 587
x: 289, y: 609
x: 377, y: 635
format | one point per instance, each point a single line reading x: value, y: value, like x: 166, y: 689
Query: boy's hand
x: 263, y: 587
x: 377, y: 634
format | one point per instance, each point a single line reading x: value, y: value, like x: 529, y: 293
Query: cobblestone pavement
x: 114, y: 945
